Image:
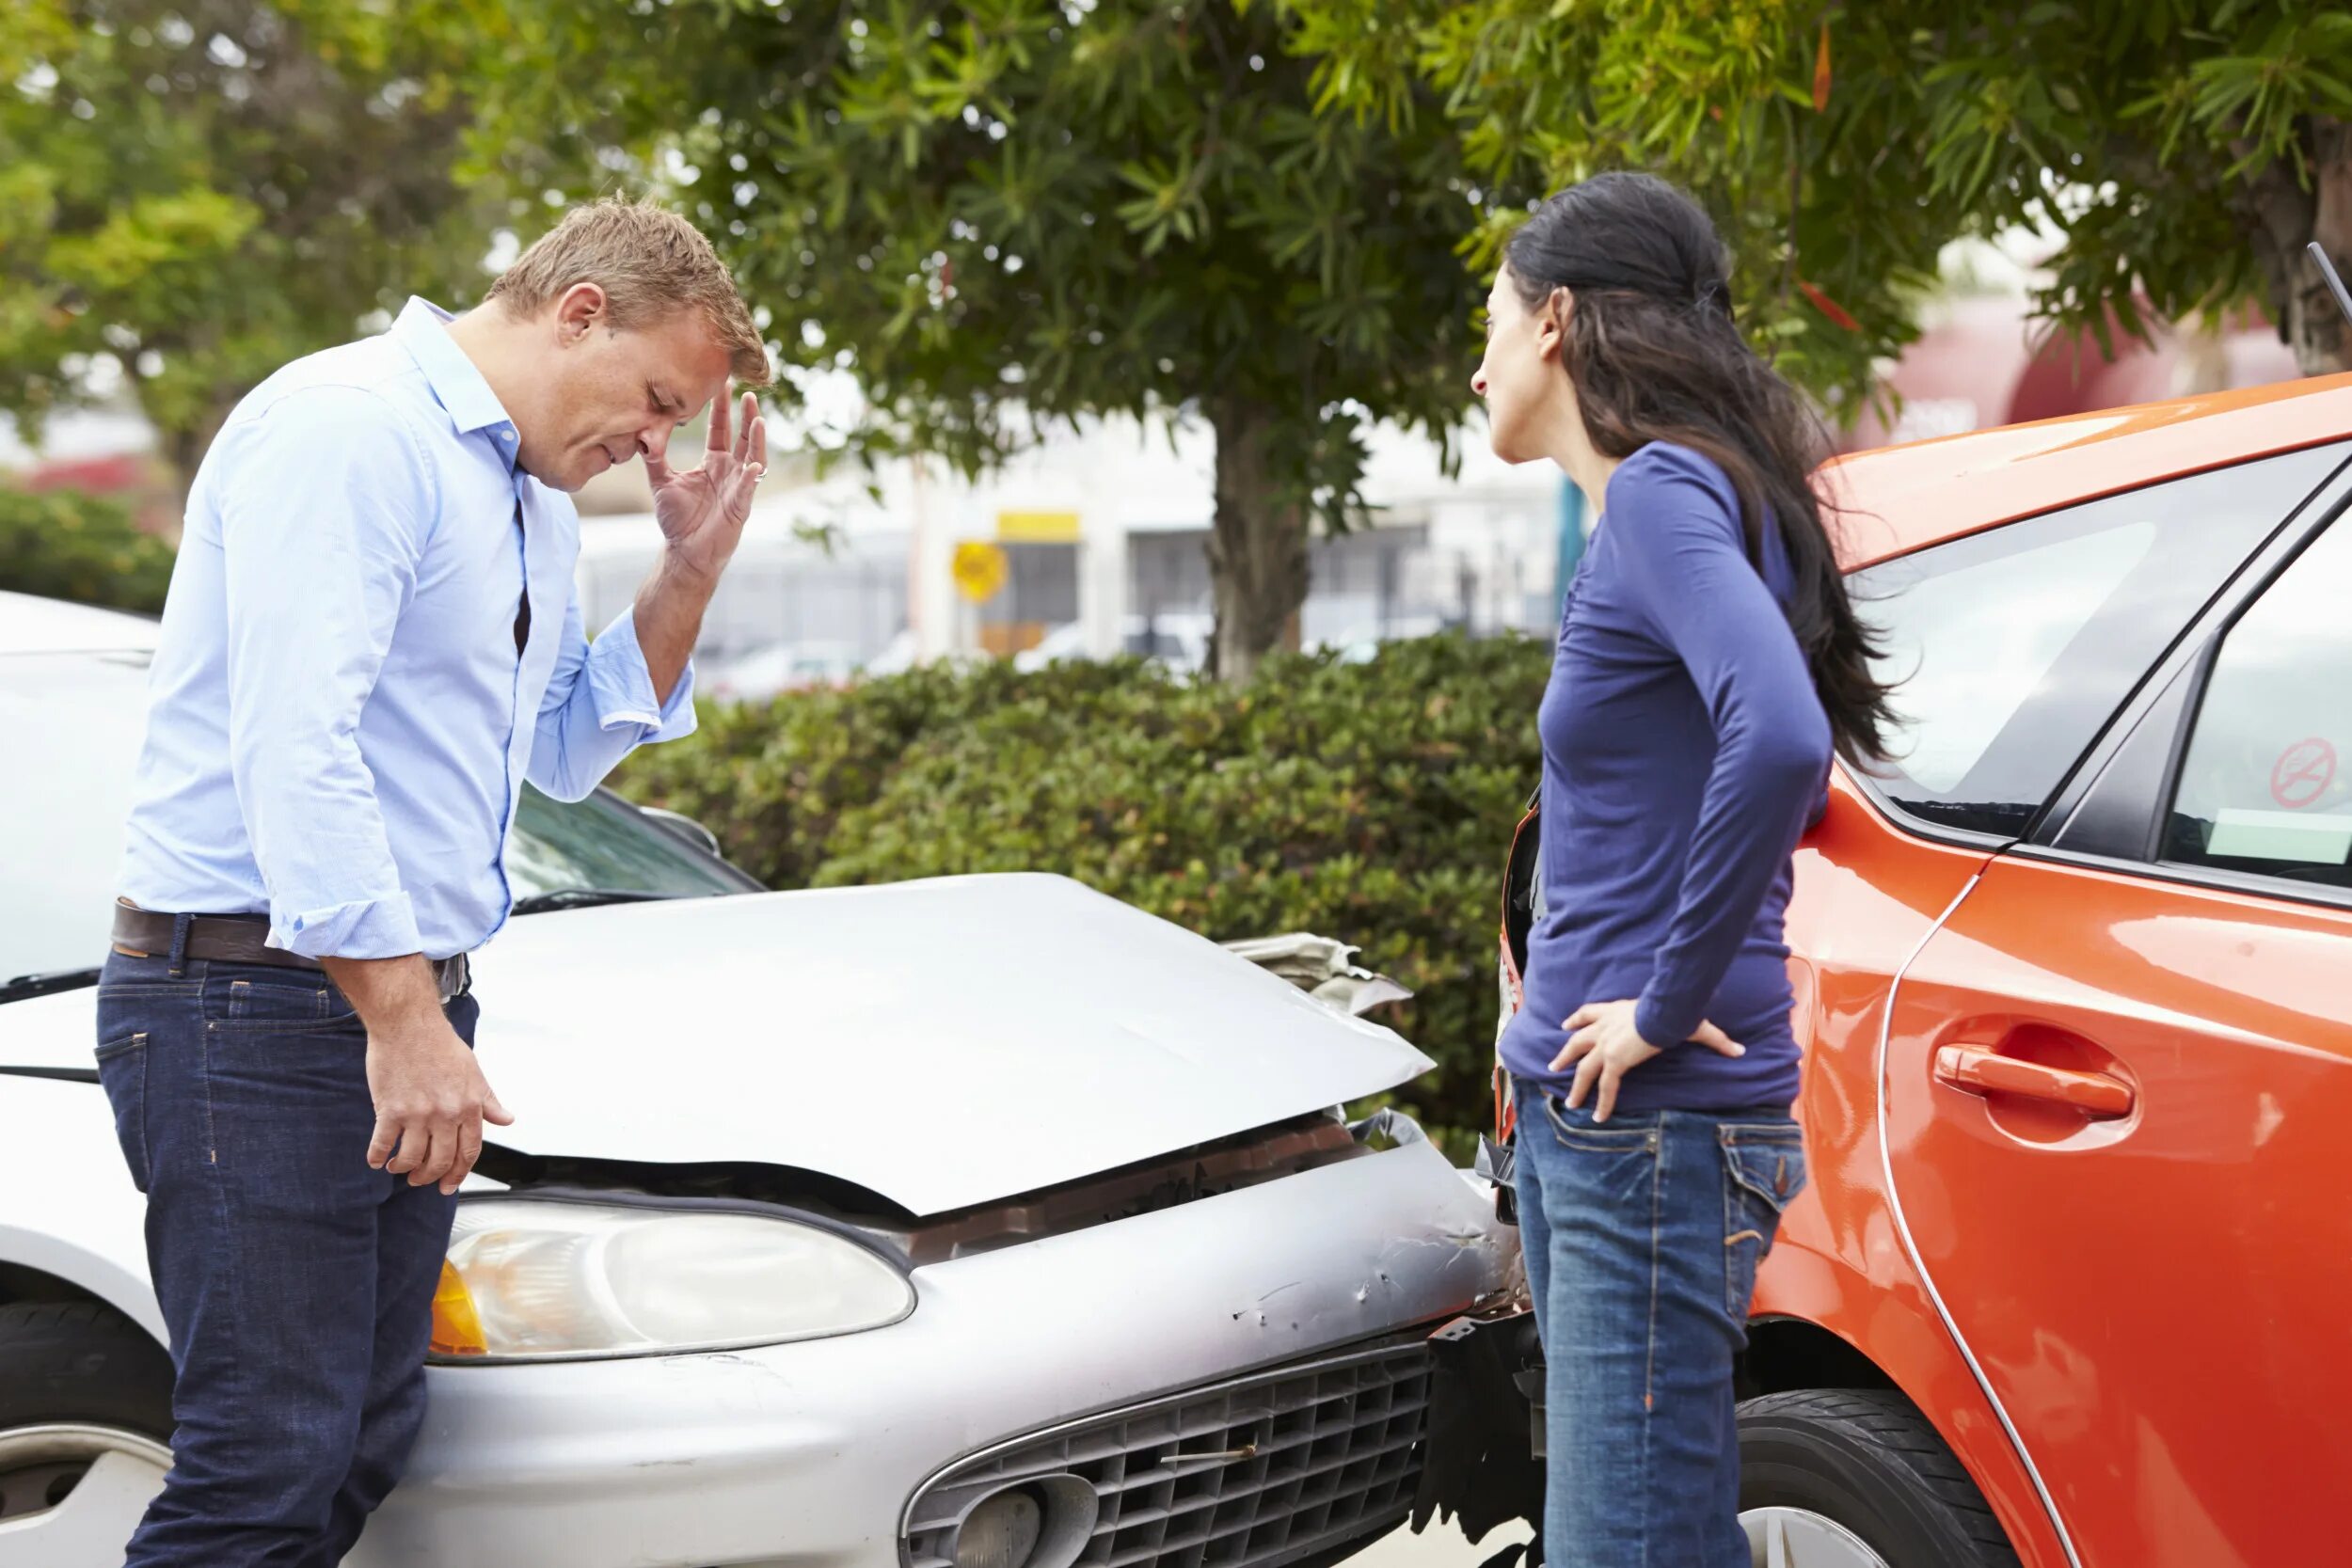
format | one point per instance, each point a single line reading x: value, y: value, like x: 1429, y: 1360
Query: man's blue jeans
x: 1642, y: 1237
x: 297, y: 1283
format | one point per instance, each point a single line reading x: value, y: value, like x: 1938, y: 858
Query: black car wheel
x: 1858, y: 1479
x: 84, y: 1440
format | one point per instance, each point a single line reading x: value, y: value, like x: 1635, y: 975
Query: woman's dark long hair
x: 1652, y: 354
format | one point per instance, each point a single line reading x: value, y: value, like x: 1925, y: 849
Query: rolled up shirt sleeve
x: 600, y: 706
x: 324, y: 506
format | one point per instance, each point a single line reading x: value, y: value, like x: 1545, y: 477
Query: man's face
x: 610, y: 396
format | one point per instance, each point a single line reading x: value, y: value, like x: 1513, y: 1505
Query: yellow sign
x: 979, y: 571
x: 1037, y: 528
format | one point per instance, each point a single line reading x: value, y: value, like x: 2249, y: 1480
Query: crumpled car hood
x: 942, y: 1043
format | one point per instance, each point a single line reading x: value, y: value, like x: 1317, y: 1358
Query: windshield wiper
x: 588, y: 898
x: 46, y: 982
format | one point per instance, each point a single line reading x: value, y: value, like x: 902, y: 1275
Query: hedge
x: 62, y: 544
x: 1372, y: 803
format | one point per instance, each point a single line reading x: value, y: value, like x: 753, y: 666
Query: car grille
x: 1248, y: 1474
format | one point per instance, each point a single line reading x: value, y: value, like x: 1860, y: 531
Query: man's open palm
x: 702, y: 509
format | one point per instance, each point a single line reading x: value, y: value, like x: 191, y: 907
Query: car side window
x: 2265, y: 787
x: 2010, y: 649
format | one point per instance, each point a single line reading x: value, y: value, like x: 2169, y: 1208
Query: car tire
x: 1869, y: 1463
x: 81, y: 1385
x: 82, y: 1361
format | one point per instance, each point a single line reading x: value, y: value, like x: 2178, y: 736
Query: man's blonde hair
x: 650, y: 262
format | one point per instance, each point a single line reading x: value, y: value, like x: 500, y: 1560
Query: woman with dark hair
x: 1708, y: 662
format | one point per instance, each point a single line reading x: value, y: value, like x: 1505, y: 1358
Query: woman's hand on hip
x: 1603, y: 1046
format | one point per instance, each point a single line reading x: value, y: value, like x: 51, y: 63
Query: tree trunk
x: 2282, y: 217
x: 1257, y: 547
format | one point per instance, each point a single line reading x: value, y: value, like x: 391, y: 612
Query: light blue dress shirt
x: 341, y: 723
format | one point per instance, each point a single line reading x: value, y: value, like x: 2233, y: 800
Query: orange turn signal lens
x: 457, y: 1326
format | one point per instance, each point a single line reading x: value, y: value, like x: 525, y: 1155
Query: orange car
x: 2074, y: 1277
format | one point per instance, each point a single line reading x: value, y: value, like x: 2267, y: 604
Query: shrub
x: 63, y: 544
x: 1372, y: 803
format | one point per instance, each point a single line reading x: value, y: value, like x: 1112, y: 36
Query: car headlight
x: 537, y: 1280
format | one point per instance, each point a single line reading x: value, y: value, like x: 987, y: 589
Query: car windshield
x: 77, y: 719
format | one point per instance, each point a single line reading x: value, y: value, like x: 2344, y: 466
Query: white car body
x: 1155, y: 1283
x: 1179, y: 640
x: 780, y: 667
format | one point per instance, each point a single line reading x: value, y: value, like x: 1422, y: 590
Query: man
x: 371, y: 641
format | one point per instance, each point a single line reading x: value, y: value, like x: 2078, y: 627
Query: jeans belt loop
x: 178, y: 963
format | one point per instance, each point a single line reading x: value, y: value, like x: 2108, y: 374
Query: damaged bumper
x: 812, y: 1453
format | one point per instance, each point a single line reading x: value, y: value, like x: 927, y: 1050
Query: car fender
x: 1885, y: 1316
x: 68, y: 1206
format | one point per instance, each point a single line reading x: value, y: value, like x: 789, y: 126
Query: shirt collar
x: 423, y: 330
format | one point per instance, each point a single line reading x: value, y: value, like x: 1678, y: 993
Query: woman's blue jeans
x: 1643, y: 1237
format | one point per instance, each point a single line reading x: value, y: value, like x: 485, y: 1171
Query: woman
x: 1708, y: 662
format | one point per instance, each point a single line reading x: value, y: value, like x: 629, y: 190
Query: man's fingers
x: 439, y: 1155
x: 742, y: 444
x: 380, y: 1146
x: 722, y: 431
x: 495, y: 1113
x: 1715, y: 1040
x: 413, y: 1139
x: 1580, y: 1017
x: 469, y: 1151
x: 745, y: 485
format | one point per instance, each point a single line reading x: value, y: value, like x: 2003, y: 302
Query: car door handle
x: 1978, y: 1071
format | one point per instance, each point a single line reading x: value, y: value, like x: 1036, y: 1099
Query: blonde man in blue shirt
x: 371, y: 641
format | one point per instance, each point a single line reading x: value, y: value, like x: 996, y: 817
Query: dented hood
x: 943, y: 1043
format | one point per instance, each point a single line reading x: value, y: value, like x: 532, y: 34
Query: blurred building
x: 1096, y: 542
x: 1980, y: 362
x: 1100, y: 541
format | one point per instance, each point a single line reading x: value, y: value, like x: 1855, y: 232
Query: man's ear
x: 578, y: 310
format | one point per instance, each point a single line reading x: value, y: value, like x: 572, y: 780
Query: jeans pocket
x: 1609, y: 1166
x: 1577, y: 1129
x: 122, y: 1072
x: 1764, y: 1171
x: 283, y: 999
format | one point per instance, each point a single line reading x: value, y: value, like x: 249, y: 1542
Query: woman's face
x: 1521, y: 376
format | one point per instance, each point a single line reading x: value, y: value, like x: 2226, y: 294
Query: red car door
x: 2116, y: 1086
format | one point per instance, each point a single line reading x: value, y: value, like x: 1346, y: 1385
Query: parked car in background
x: 2073, y: 978
x: 780, y: 667
x: 983, y: 1223
x: 1178, y: 639
x: 1359, y: 644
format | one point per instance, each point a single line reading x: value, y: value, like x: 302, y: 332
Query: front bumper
x: 808, y: 1455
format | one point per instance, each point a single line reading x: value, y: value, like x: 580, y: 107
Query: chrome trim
x: 1910, y: 1250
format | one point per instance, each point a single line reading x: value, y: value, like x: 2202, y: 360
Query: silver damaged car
x: 983, y: 1223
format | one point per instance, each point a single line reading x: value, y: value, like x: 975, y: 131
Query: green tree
x: 204, y: 189
x: 1012, y: 214
x: 2185, y: 151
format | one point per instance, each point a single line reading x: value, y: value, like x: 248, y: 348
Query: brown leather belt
x: 241, y: 939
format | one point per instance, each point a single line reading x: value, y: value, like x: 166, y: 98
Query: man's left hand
x: 1605, y: 1046
x: 702, y: 509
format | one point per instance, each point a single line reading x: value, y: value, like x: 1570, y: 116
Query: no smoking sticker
x: 2303, y: 772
